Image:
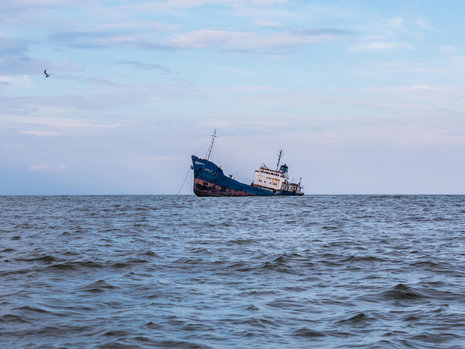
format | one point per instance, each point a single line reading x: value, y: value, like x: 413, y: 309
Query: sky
x: 364, y: 97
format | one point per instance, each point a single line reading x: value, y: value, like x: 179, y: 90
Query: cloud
x: 162, y: 158
x: 395, y: 22
x: 205, y: 38
x: 423, y: 23
x: 268, y: 24
x: 447, y: 48
x: 19, y: 80
x: 147, y: 66
x: 61, y: 72
x: 15, y: 58
x: 46, y: 167
x: 20, y: 64
x: 172, y: 4
x: 153, y: 25
x: 100, y: 81
x: 247, y: 41
x: 13, y: 46
x: 59, y: 122
x: 229, y: 40
x: 66, y: 104
x: 39, y: 133
x: 27, y: 11
x: 405, y: 67
x: 379, y: 46
x: 101, y: 39
x: 41, y: 167
x: 91, y: 39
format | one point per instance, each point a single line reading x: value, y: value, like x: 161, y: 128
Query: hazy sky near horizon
x: 362, y: 96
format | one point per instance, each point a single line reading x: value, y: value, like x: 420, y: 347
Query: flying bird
x: 47, y: 75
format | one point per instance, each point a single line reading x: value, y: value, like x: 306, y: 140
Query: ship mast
x: 279, y: 159
x: 211, y: 145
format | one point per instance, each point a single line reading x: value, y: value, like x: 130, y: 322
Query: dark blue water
x: 188, y: 272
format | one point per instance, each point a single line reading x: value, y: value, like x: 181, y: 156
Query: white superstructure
x: 270, y: 179
x: 276, y: 180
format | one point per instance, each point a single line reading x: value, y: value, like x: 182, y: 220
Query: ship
x: 210, y: 180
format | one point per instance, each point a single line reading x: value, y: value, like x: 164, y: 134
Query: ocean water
x: 188, y: 272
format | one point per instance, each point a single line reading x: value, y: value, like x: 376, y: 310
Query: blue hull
x: 209, y: 180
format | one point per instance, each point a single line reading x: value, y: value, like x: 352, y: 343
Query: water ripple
x: 376, y: 271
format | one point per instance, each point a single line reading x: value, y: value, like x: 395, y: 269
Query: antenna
x: 211, y: 145
x: 279, y: 159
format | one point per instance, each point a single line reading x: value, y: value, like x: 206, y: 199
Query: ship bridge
x: 271, y: 179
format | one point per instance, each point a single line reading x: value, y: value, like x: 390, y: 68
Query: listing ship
x: 209, y: 180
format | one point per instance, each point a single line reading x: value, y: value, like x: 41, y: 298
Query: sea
x: 318, y: 271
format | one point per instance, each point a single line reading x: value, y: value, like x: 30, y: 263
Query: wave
x: 402, y: 292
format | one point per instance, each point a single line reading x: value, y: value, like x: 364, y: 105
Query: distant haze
x: 362, y: 96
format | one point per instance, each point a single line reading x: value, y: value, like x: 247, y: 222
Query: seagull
x: 47, y: 75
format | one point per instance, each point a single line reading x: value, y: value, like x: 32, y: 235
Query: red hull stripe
x: 204, y: 188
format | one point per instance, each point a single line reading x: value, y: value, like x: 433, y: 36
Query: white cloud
x: 423, y: 23
x: 162, y: 158
x: 423, y: 95
x: 158, y: 26
x: 164, y: 5
x: 39, y: 133
x: 269, y: 24
x: 405, y: 67
x: 379, y: 46
x: 204, y: 38
x: 17, y: 80
x: 41, y: 167
x: 395, y: 22
x: 250, y: 41
x: 46, y: 167
x: 61, y: 123
x: 447, y: 48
